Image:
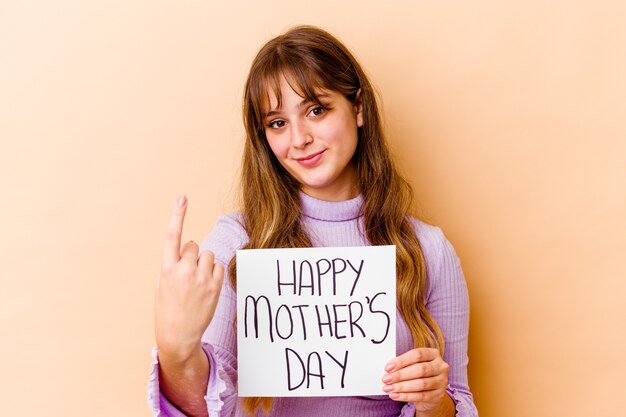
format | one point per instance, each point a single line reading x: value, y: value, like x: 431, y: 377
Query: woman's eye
x: 276, y: 124
x: 316, y: 111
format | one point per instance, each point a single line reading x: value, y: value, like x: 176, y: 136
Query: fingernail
x: 181, y: 201
x: 390, y: 367
x: 387, y: 379
x: 388, y: 388
x: 394, y: 395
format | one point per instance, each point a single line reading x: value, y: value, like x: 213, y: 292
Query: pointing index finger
x: 171, y: 251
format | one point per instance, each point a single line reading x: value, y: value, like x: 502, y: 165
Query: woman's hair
x: 313, y: 60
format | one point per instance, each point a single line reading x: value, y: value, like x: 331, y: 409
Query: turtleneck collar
x: 331, y: 211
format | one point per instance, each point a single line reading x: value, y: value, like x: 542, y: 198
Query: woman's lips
x: 311, y: 160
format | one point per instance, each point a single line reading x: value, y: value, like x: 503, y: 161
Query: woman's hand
x: 187, y: 292
x: 419, y: 376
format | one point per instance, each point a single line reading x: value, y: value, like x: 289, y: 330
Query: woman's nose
x: 300, y: 134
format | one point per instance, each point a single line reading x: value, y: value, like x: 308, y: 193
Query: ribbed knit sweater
x: 332, y: 224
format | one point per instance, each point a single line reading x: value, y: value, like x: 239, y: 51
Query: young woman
x: 316, y: 172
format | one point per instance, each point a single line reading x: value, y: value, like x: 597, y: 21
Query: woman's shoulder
x: 442, y: 263
x: 431, y: 238
x: 227, y: 236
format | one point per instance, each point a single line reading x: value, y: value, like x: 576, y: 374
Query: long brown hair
x: 312, y: 59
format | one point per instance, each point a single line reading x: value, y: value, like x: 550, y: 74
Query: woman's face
x: 315, y: 145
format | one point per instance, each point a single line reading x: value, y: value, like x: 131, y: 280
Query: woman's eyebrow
x: 270, y: 114
x: 303, y: 103
x: 307, y: 100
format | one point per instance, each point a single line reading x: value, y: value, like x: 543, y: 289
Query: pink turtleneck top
x: 332, y: 224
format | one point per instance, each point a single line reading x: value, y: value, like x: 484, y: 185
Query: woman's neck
x: 331, y: 211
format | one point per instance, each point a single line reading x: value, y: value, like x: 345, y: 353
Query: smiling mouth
x: 306, y: 158
x: 311, y: 160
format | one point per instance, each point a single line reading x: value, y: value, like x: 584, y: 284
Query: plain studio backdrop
x: 508, y: 118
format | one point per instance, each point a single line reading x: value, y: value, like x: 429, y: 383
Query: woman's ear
x: 358, y: 106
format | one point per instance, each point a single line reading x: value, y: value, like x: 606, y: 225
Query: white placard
x: 315, y: 321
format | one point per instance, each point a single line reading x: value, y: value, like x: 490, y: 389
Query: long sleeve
x: 160, y: 405
x: 447, y: 301
x: 219, y: 339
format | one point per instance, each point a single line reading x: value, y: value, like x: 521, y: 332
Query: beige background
x: 509, y: 118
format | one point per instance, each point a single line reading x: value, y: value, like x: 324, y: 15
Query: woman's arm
x: 444, y: 379
x: 447, y: 301
x: 431, y: 385
x: 183, y: 375
x: 187, y: 292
